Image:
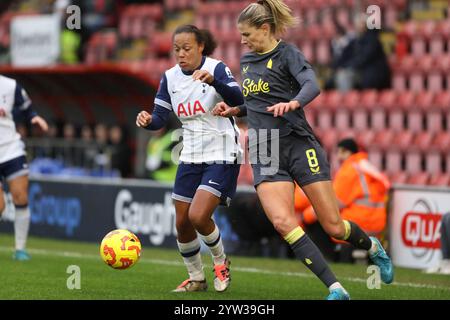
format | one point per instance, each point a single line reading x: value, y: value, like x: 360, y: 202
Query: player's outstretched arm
x: 37, y: 120
x: 143, y: 119
x: 154, y: 121
x: 224, y: 110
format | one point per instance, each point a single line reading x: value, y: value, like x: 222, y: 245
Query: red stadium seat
x: 428, y: 29
x: 396, y: 119
x: 415, y: 120
x: 376, y: 157
x: 307, y: 47
x: 399, y: 177
x: 413, y: 161
x: 435, y: 117
x: 434, y: 120
x: 328, y: 138
x: 401, y: 71
x: 442, y: 100
x: 433, y: 161
x: 437, y: 44
x: 343, y: 17
x: 333, y: 99
x: 440, y: 179
x: 419, y: 178
x: 378, y: 119
x: 324, y: 119
x: 346, y: 134
x: 424, y: 100
x: 406, y: 100
x: 394, y: 153
x: 423, y: 140
x: 350, y: 101
x: 396, y: 116
x: 447, y: 162
x: 393, y: 160
x: 390, y: 16
x: 366, y: 104
x: 441, y: 142
x: 416, y: 81
x: 403, y: 140
x: 323, y: 51
x: 399, y: 81
x: 383, y: 139
x: 418, y: 46
x: 369, y: 99
x: 386, y: 101
x: 365, y: 138
x: 435, y: 80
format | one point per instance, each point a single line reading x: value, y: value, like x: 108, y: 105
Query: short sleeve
x: 162, y: 96
x: 224, y: 75
x: 295, y: 60
x: 21, y: 99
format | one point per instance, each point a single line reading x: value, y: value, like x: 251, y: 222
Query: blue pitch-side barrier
x: 86, y: 209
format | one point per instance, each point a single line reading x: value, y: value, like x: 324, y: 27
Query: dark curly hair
x: 202, y: 36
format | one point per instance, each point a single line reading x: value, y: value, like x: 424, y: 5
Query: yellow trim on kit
x: 261, y: 53
x: 294, y: 235
x: 348, y: 229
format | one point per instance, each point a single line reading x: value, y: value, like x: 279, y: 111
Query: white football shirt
x: 14, y: 101
x: 206, y: 138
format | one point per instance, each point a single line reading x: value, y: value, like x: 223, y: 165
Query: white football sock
x: 21, y: 226
x: 214, y: 243
x: 192, y: 259
x: 336, y: 285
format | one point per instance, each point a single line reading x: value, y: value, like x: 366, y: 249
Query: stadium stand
x: 405, y: 129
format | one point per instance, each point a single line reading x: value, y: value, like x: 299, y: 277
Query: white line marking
x: 72, y: 254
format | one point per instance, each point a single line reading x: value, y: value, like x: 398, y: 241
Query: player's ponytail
x: 208, y: 41
x: 202, y: 36
x: 274, y: 12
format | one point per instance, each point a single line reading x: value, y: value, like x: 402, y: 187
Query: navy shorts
x: 219, y: 179
x: 13, y: 168
x: 299, y: 158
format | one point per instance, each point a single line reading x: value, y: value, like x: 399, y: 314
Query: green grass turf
x: 159, y: 271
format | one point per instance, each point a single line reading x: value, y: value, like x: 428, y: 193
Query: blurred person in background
x: 342, y: 77
x: 369, y: 60
x: 102, y: 158
x: 443, y: 267
x: 69, y: 150
x: 159, y: 156
x: 16, y: 106
x: 89, y: 146
x: 361, y: 191
x: 120, y: 151
x: 96, y: 15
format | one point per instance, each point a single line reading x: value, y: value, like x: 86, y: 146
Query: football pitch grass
x: 161, y: 270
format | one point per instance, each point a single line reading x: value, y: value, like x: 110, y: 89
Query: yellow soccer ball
x: 120, y: 249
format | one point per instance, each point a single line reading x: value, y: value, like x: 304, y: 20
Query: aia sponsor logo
x: 2, y: 112
x: 421, y: 230
x: 190, y: 109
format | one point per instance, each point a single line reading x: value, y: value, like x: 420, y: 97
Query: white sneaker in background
x: 442, y: 268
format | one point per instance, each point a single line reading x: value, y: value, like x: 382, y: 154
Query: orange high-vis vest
x: 361, y: 190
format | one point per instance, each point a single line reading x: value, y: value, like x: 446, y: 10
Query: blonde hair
x: 274, y: 12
